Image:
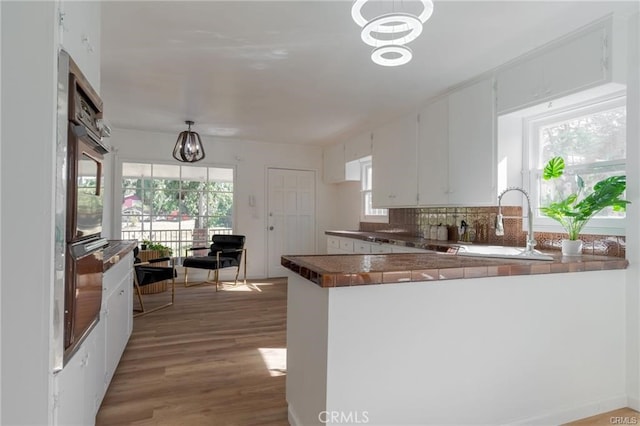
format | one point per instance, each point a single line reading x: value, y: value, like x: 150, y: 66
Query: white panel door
x: 291, y: 216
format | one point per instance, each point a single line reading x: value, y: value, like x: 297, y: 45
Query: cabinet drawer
x: 333, y: 242
x: 362, y: 247
x: 380, y: 248
x: 346, y: 245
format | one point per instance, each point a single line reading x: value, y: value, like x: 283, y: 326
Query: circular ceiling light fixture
x: 356, y: 12
x: 188, y: 147
x: 407, y: 28
x: 389, y: 33
x: 391, y: 56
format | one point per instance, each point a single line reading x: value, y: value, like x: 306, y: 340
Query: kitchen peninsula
x: 434, y: 338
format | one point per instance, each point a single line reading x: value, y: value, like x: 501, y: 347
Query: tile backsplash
x: 416, y: 221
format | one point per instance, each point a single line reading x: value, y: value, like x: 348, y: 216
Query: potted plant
x: 574, y: 211
x: 149, y: 245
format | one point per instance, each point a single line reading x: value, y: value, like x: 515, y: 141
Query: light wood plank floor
x: 202, y: 362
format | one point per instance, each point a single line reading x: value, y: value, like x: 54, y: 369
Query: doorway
x: 291, y: 221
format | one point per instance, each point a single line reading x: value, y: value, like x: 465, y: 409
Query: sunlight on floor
x: 251, y: 286
x: 275, y: 359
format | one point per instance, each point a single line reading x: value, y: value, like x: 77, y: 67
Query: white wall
x: 29, y: 64
x: 633, y: 215
x: 251, y: 160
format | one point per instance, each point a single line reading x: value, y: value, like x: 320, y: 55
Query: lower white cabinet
x: 118, y: 309
x: 344, y: 245
x: 81, y: 385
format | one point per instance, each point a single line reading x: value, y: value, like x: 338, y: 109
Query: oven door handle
x: 81, y: 131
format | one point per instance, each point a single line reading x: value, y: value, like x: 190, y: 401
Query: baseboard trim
x: 576, y: 413
x: 291, y: 416
x: 633, y: 402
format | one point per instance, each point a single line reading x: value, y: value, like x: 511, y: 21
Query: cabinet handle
x: 121, y: 292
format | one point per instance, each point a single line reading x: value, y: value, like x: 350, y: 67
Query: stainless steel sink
x: 501, y: 252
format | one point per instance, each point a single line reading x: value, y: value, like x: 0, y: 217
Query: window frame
x: 152, y: 178
x: 366, y: 195
x: 532, y: 174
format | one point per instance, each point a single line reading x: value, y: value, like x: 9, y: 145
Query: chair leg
x: 139, y: 295
x: 166, y: 305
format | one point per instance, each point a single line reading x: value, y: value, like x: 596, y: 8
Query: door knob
x: 271, y: 228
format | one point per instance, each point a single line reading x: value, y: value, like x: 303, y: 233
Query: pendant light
x: 188, y: 147
x: 389, y: 33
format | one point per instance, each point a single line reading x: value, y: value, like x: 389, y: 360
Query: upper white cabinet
x: 358, y: 147
x: 333, y: 164
x: 80, y: 36
x: 472, y: 145
x: 580, y: 61
x: 433, y: 154
x: 395, y: 165
x: 337, y: 168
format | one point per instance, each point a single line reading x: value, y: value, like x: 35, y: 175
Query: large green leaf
x: 554, y: 168
x: 574, y: 212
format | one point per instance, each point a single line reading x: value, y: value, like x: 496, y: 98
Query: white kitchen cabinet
x: 345, y: 245
x: 404, y: 249
x: 79, y: 387
x: 380, y: 248
x: 395, y: 165
x: 358, y: 147
x: 433, y: 154
x: 118, y: 312
x: 333, y: 163
x: 80, y: 36
x: 472, y: 145
x: 572, y: 64
x: 338, y: 245
x: 335, y: 166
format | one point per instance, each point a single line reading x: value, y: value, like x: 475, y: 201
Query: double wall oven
x: 79, y: 207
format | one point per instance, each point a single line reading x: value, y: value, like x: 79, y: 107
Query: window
x: 178, y: 206
x: 368, y: 213
x: 592, y: 140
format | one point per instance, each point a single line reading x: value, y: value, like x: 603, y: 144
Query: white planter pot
x: 571, y: 247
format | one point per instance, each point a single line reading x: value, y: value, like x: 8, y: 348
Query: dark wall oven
x: 80, y: 155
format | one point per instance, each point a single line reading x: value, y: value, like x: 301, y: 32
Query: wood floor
x: 202, y: 361
x: 217, y: 359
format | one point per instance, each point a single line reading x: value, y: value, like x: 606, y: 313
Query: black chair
x: 226, y: 251
x: 144, y: 274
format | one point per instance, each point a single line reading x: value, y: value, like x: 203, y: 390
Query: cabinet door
x: 362, y: 247
x: 570, y: 65
x: 81, y: 37
x: 358, y: 147
x: 433, y: 154
x: 333, y: 245
x: 333, y: 164
x: 117, y: 326
x: 576, y: 64
x: 71, y: 399
x: 472, y: 149
x: 381, y: 248
x: 395, y: 166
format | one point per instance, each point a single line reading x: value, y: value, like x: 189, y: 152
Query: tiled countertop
x: 340, y: 270
x: 116, y: 250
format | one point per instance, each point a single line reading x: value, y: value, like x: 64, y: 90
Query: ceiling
x: 297, y: 71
